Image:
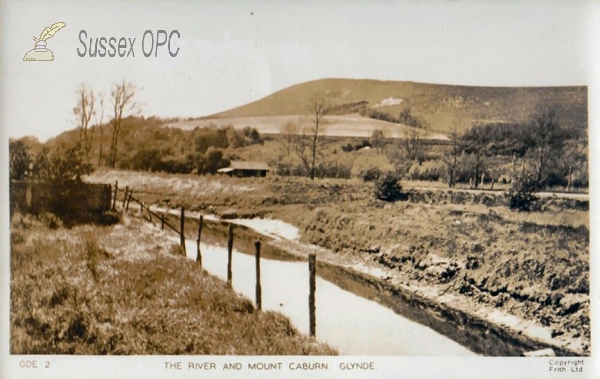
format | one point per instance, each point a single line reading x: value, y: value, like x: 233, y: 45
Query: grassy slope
x: 124, y: 290
x: 439, y: 105
x: 352, y: 125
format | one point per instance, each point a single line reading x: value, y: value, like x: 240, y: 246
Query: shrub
x: 371, y: 174
x: 333, y: 170
x: 50, y: 220
x: 521, y: 195
x: 110, y: 217
x: 388, y: 188
x: 432, y: 170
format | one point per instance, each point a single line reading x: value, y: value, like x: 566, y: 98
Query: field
x: 126, y: 289
x: 533, y: 267
x: 352, y: 125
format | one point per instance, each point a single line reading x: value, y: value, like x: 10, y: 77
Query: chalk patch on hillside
x: 387, y: 102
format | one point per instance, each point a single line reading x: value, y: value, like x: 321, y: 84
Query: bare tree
x: 378, y: 140
x: 99, y: 121
x: 476, y: 144
x: 123, y: 103
x: 84, y: 111
x: 450, y: 157
x: 545, y: 130
x: 308, y: 141
x: 412, y: 144
x: 289, y: 133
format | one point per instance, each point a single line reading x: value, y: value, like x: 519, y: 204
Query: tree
x: 214, y: 160
x: 378, y: 140
x: 19, y: 160
x: 475, y: 145
x: 451, y: 156
x: 547, y: 137
x: 100, y: 126
x: 289, y: 134
x: 123, y: 103
x: 412, y: 144
x: 63, y: 169
x: 84, y: 111
x: 317, y: 107
x: 407, y: 118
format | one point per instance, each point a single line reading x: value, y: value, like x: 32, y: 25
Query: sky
x: 232, y: 53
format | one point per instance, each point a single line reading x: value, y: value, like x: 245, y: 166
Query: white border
x: 153, y: 367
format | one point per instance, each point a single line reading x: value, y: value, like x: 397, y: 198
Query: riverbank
x: 482, y: 329
x: 127, y: 289
x: 524, y: 275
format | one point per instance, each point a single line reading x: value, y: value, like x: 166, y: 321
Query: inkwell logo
x: 40, y: 52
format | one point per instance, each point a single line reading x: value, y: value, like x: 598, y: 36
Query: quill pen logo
x: 40, y: 52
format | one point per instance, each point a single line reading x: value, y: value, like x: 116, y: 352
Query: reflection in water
x: 352, y: 324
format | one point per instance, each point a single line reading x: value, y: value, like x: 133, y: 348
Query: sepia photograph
x: 287, y: 189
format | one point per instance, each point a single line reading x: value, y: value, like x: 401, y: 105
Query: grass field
x: 352, y: 125
x: 126, y: 289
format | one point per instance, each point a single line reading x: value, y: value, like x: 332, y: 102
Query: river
x: 352, y: 324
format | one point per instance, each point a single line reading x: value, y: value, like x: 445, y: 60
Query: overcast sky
x: 232, y: 53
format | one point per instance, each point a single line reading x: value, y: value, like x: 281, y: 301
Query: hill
x: 439, y: 106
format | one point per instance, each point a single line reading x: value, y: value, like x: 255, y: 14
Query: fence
x: 144, y: 208
x: 38, y: 197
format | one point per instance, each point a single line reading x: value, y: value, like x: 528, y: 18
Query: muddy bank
x: 477, y: 334
x: 532, y: 271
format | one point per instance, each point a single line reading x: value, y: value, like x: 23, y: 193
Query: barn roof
x: 255, y: 166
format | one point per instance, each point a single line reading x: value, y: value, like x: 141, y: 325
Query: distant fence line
x: 128, y: 198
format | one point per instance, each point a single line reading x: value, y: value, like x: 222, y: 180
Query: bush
x: 371, y: 174
x: 432, y: 170
x: 110, y: 217
x: 388, y: 187
x: 333, y: 170
x: 521, y: 195
x: 50, y: 220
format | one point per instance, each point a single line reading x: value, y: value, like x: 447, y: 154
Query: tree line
x: 486, y: 153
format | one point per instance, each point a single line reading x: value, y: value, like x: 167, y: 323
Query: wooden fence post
x: 128, y: 200
x: 312, y: 269
x: 125, y: 197
x: 258, y: 287
x: 162, y: 222
x: 182, y: 230
x: 114, y: 204
x: 199, y: 256
x: 229, y: 255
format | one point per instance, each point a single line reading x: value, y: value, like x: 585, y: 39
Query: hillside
x: 351, y: 125
x: 440, y: 106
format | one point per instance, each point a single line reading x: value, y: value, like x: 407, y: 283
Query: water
x: 352, y: 324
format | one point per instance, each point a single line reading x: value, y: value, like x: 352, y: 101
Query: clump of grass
x: 93, y: 255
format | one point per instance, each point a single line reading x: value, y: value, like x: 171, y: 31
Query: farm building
x: 246, y: 169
